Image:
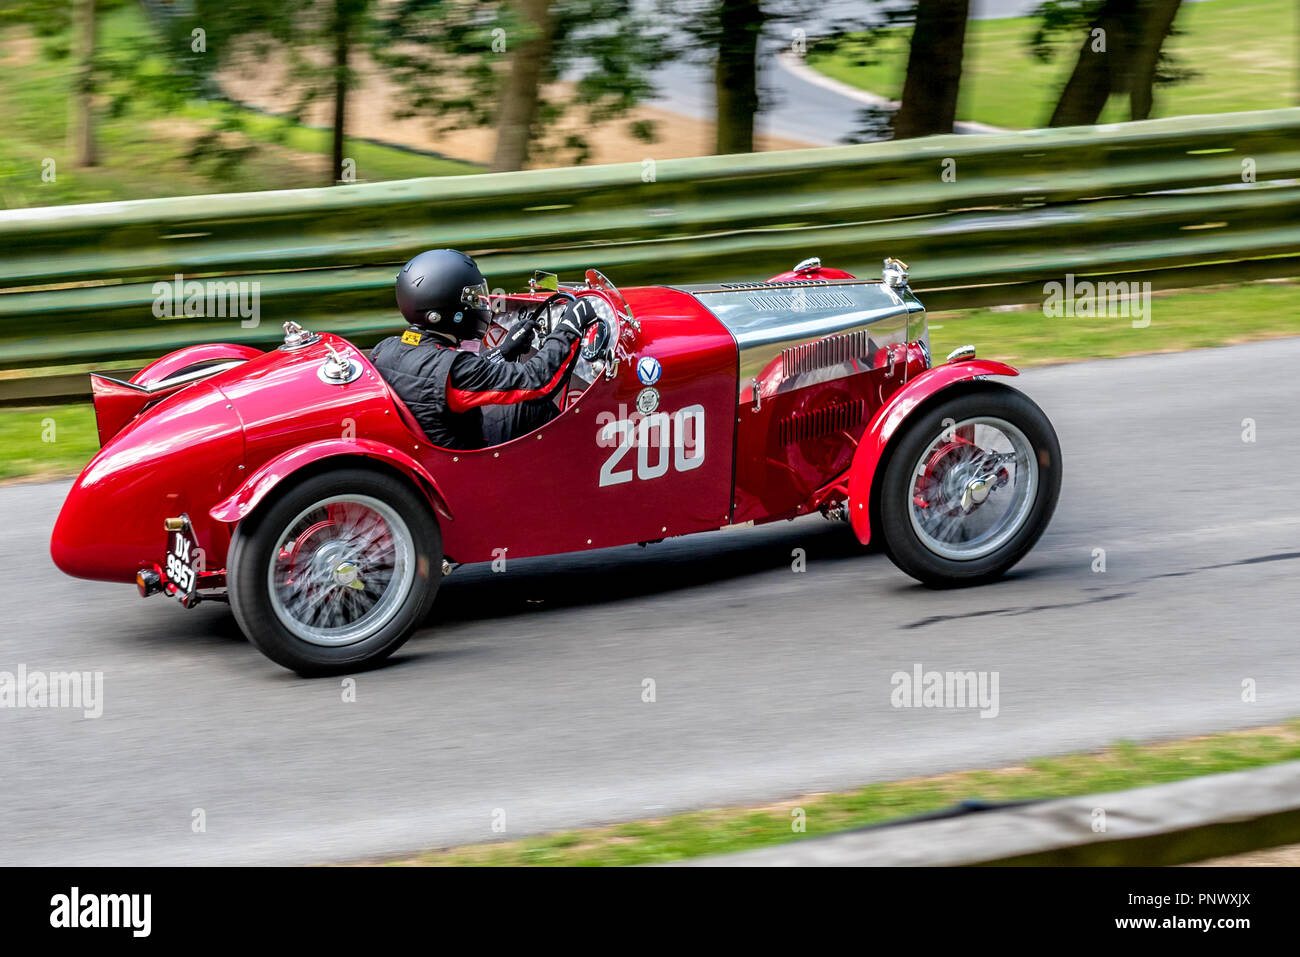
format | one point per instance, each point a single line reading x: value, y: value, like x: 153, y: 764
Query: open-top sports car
x: 295, y: 484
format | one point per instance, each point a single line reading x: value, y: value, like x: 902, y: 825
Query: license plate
x: 183, y: 563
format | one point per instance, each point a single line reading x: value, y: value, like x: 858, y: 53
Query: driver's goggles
x: 476, y: 297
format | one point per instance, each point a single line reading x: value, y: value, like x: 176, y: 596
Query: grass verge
x: 1241, y: 51
x: 46, y: 442
x: 1122, y: 766
x: 1180, y: 320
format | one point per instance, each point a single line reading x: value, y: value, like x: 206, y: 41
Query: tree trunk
x: 735, y: 76
x: 81, y: 114
x: 342, y: 45
x: 1157, y: 21
x: 1099, y: 72
x: 517, y: 111
x: 934, y: 65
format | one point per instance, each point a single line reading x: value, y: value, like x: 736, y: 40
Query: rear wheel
x: 970, y: 487
x: 337, y: 572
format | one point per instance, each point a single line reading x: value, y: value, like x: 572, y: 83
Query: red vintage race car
x: 295, y: 484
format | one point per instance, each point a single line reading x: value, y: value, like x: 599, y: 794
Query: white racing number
x: 662, y: 441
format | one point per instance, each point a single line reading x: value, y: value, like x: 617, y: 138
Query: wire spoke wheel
x: 336, y: 570
x: 341, y: 569
x: 973, y: 487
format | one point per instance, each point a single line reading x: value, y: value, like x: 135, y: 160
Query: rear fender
x: 888, y: 421
x: 257, y: 486
x: 174, y: 362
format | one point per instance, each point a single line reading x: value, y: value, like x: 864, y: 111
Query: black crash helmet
x: 442, y: 289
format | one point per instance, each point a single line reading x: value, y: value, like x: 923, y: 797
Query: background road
x: 793, y: 107
x: 526, y: 695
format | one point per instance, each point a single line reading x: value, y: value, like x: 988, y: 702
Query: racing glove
x: 515, y: 342
x: 577, y: 317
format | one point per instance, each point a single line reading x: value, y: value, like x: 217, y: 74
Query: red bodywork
x: 599, y: 474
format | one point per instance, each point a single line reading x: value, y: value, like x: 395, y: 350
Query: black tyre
x: 336, y: 572
x: 970, y: 487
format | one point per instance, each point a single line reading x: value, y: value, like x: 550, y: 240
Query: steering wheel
x: 548, y: 302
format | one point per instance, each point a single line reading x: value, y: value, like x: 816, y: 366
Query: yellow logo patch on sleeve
x: 411, y: 337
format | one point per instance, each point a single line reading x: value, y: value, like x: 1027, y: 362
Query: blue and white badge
x: 648, y: 370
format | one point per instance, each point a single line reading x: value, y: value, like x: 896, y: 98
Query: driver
x: 464, y: 400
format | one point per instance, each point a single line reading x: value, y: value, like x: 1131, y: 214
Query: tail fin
x: 116, y: 404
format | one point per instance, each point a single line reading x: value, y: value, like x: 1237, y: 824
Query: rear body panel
x: 179, y: 457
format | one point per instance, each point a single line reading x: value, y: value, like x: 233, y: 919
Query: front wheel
x: 970, y: 487
x: 337, y: 572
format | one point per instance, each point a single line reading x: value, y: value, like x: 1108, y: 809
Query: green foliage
x: 143, y: 69
x: 1058, y: 22
x: 296, y: 28
x: 148, y: 136
x: 441, y: 53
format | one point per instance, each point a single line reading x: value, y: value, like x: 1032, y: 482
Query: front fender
x: 271, y: 473
x: 889, y: 417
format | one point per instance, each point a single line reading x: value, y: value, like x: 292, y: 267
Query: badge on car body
x: 647, y: 400
x: 648, y: 370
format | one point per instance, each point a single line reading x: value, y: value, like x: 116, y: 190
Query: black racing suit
x: 468, y: 401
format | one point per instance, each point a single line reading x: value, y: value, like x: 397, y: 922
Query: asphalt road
x: 526, y: 693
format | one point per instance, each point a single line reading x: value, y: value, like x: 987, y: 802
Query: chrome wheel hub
x: 975, y: 493
x: 348, y: 575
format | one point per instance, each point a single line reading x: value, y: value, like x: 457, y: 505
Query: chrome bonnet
x: 799, y: 332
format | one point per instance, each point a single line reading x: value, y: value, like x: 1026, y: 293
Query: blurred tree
x: 521, y: 91
x: 68, y: 29
x: 1122, y: 52
x: 735, y: 75
x: 317, y: 37
x: 1148, y: 59
x: 81, y: 102
x: 1103, y: 56
x: 521, y: 65
x: 346, y: 21
x: 734, y: 36
x: 934, y: 64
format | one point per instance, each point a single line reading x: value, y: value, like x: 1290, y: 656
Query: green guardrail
x: 1167, y: 201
